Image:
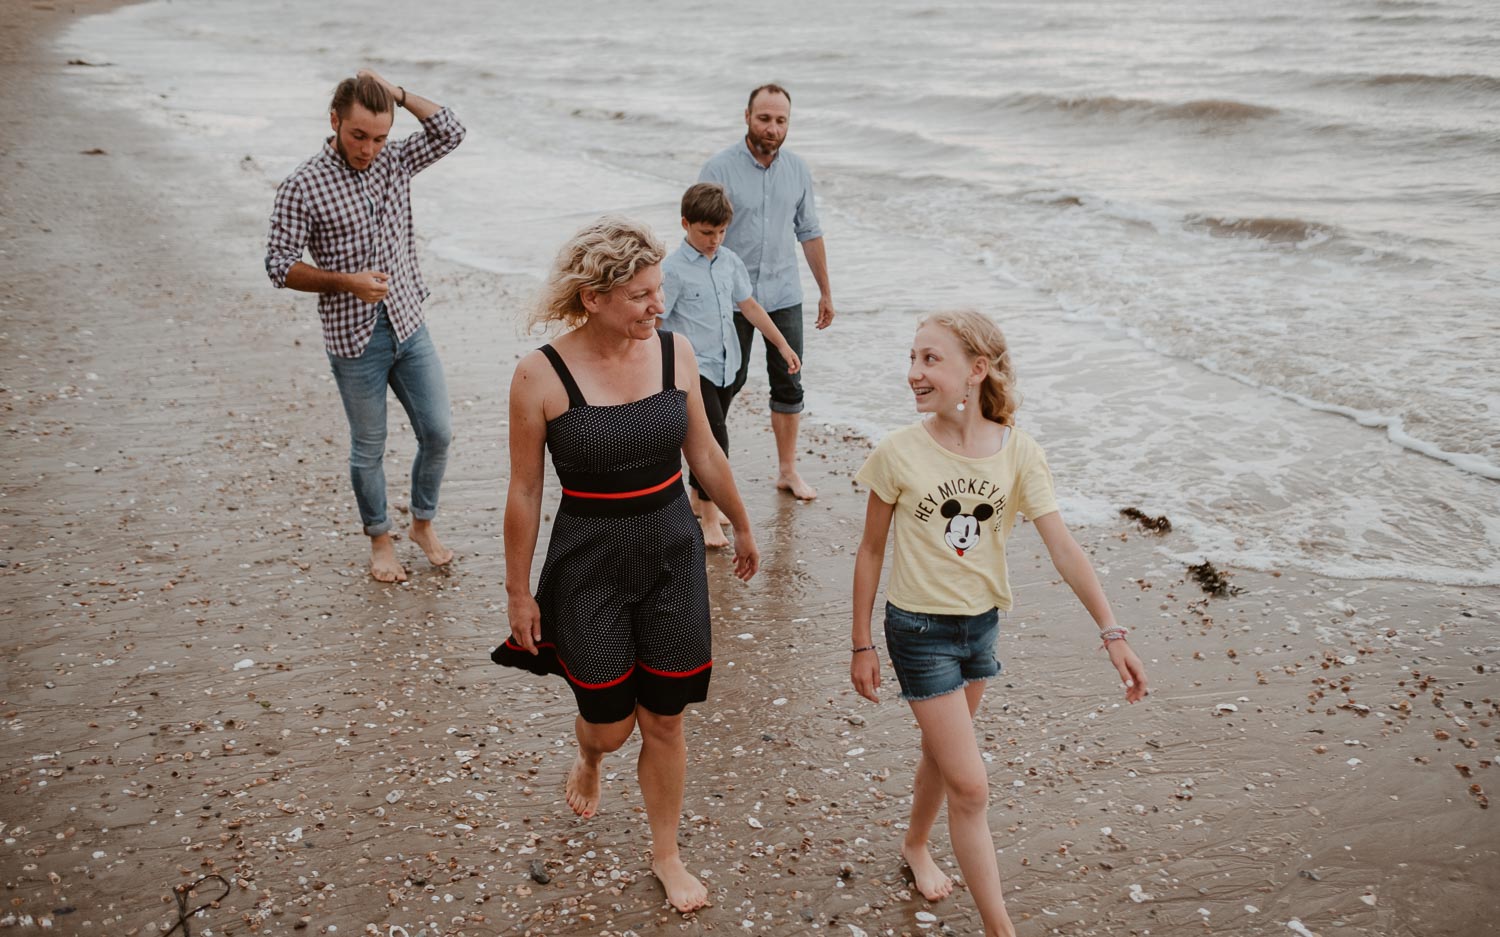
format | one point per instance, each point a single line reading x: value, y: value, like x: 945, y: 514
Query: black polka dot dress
x: 623, y: 592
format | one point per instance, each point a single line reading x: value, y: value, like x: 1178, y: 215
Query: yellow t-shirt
x: 952, y: 517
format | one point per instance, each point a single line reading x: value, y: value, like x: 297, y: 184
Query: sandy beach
x: 201, y: 678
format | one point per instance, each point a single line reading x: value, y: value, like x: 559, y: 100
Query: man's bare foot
x: 709, y: 520
x: 931, y: 882
x: 383, y: 564
x: 582, y: 788
x: 424, y: 536
x: 791, y: 481
x: 684, y: 891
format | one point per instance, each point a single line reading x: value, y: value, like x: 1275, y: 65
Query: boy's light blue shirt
x: 773, y: 213
x: 701, y: 295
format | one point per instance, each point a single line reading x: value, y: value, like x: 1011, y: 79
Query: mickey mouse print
x: 962, y: 532
x: 965, y: 523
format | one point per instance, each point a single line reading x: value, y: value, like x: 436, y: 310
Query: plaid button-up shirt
x: 351, y: 221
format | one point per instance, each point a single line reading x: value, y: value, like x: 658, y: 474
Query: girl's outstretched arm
x: 864, y: 665
x: 1078, y: 572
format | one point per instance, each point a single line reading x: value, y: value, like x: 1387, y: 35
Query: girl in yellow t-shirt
x: 953, y: 484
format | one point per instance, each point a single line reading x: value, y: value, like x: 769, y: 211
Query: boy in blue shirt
x: 703, y: 283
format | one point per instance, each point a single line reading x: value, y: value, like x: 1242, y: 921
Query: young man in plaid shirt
x: 350, y: 208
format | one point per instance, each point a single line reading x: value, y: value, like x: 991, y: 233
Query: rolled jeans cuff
x: 376, y: 530
x: 778, y: 407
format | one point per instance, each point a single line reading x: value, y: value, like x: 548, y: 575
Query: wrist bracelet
x: 867, y: 647
x: 402, y: 102
x: 1111, y: 634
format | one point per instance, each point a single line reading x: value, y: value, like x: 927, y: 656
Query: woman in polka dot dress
x: 621, y: 608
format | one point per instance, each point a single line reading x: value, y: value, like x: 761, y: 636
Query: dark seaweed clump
x: 1155, y: 525
x: 1213, y: 581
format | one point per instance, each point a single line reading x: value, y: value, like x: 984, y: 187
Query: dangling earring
x: 963, y: 404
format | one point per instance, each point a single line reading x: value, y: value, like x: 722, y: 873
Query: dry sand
x: 200, y: 677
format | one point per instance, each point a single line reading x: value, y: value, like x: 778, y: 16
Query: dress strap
x: 575, y: 396
x: 668, y: 360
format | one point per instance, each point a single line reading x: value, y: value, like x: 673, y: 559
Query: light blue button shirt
x: 701, y: 295
x: 773, y: 213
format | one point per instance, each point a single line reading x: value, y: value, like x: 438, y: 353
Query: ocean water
x: 1245, y: 253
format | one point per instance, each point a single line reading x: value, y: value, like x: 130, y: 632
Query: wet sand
x: 201, y: 678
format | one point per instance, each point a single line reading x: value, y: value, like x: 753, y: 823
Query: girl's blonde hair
x: 600, y: 257
x: 982, y: 338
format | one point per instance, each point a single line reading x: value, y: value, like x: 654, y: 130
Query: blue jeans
x: 411, y: 369
x: 936, y: 654
x: 786, y: 389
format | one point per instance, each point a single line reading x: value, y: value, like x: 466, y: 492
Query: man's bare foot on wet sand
x: 684, y: 891
x: 582, y: 789
x: 931, y: 881
x: 422, y: 534
x: 791, y: 481
x: 383, y: 564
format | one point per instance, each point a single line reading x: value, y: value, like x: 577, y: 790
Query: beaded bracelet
x: 1111, y: 634
x: 867, y: 647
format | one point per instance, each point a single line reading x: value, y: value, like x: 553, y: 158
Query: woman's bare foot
x: 709, y: 520
x: 792, y: 481
x: 684, y: 891
x: 582, y: 789
x: 424, y: 536
x: 383, y: 563
x: 931, y: 882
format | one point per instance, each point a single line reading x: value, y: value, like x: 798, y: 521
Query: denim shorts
x: 937, y: 654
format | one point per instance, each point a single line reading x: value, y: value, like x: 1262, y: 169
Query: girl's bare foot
x: 931, y: 882
x: 582, y: 789
x: 684, y: 891
x: 383, y: 563
x: 424, y: 536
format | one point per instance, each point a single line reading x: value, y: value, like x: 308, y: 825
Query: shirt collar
x: 692, y: 255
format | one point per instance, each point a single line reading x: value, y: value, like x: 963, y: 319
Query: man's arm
x: 817, y: 262
x: 369, y: 285
x: 291, y: 226
x: 436, y: 139
x: 810, y: 235
x: 420, y: 107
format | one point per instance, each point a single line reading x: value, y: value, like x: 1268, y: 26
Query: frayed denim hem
x: 919, y: 699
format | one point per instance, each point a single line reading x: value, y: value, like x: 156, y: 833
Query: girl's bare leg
x: 948, y: 735
x: 926, y: 802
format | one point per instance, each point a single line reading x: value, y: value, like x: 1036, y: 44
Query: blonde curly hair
x: 600, y: 257
x: 982, y: 338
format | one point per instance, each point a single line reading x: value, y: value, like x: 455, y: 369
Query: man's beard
x: 338, y: 146
x: 764, y: 148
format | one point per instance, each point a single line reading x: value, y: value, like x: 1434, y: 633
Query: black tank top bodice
x: 619, y: 458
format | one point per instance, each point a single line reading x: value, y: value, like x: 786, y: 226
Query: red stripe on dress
x: 619, y: 495
x: 679, y: 673
x: 511, y: 643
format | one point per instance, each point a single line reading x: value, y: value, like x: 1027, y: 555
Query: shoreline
x: 178, y: 505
